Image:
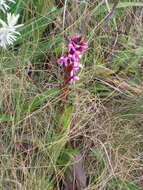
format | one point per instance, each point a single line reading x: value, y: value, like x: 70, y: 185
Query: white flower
x: 8, y: 31
x: 3, y: 5
x: 12, y: 20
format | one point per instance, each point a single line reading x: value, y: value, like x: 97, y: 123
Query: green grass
x: 40, y: 135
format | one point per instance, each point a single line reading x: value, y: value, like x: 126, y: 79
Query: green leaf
x: 35, y: 102
x: 37, y: 24
x: 129, y: 4
x: 57, y: 149
x: 5, y: 117
x: 19, y: 6
x: 44, y: 46
x: 103, y: 71
x: 65, y: 119
x: 43, y: 6
x: 120, y: 5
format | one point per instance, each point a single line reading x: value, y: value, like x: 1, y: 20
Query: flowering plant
x: 8, y: 30
x: 71, y: 61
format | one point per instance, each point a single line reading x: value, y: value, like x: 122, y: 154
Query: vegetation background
x: 96, y: 141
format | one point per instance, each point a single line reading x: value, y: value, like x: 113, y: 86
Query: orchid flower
x: 76, y: 47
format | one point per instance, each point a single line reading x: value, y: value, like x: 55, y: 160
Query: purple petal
x: 60, y: 61
x: 75, y: 78
x: 76, y: 64
x: 75, y: 69
x: 84, y: 46
x: 63, y: 60
x: 71, y: 48
x: 72, y: 73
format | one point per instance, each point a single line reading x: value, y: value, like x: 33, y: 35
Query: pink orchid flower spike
x: 76, y: 47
